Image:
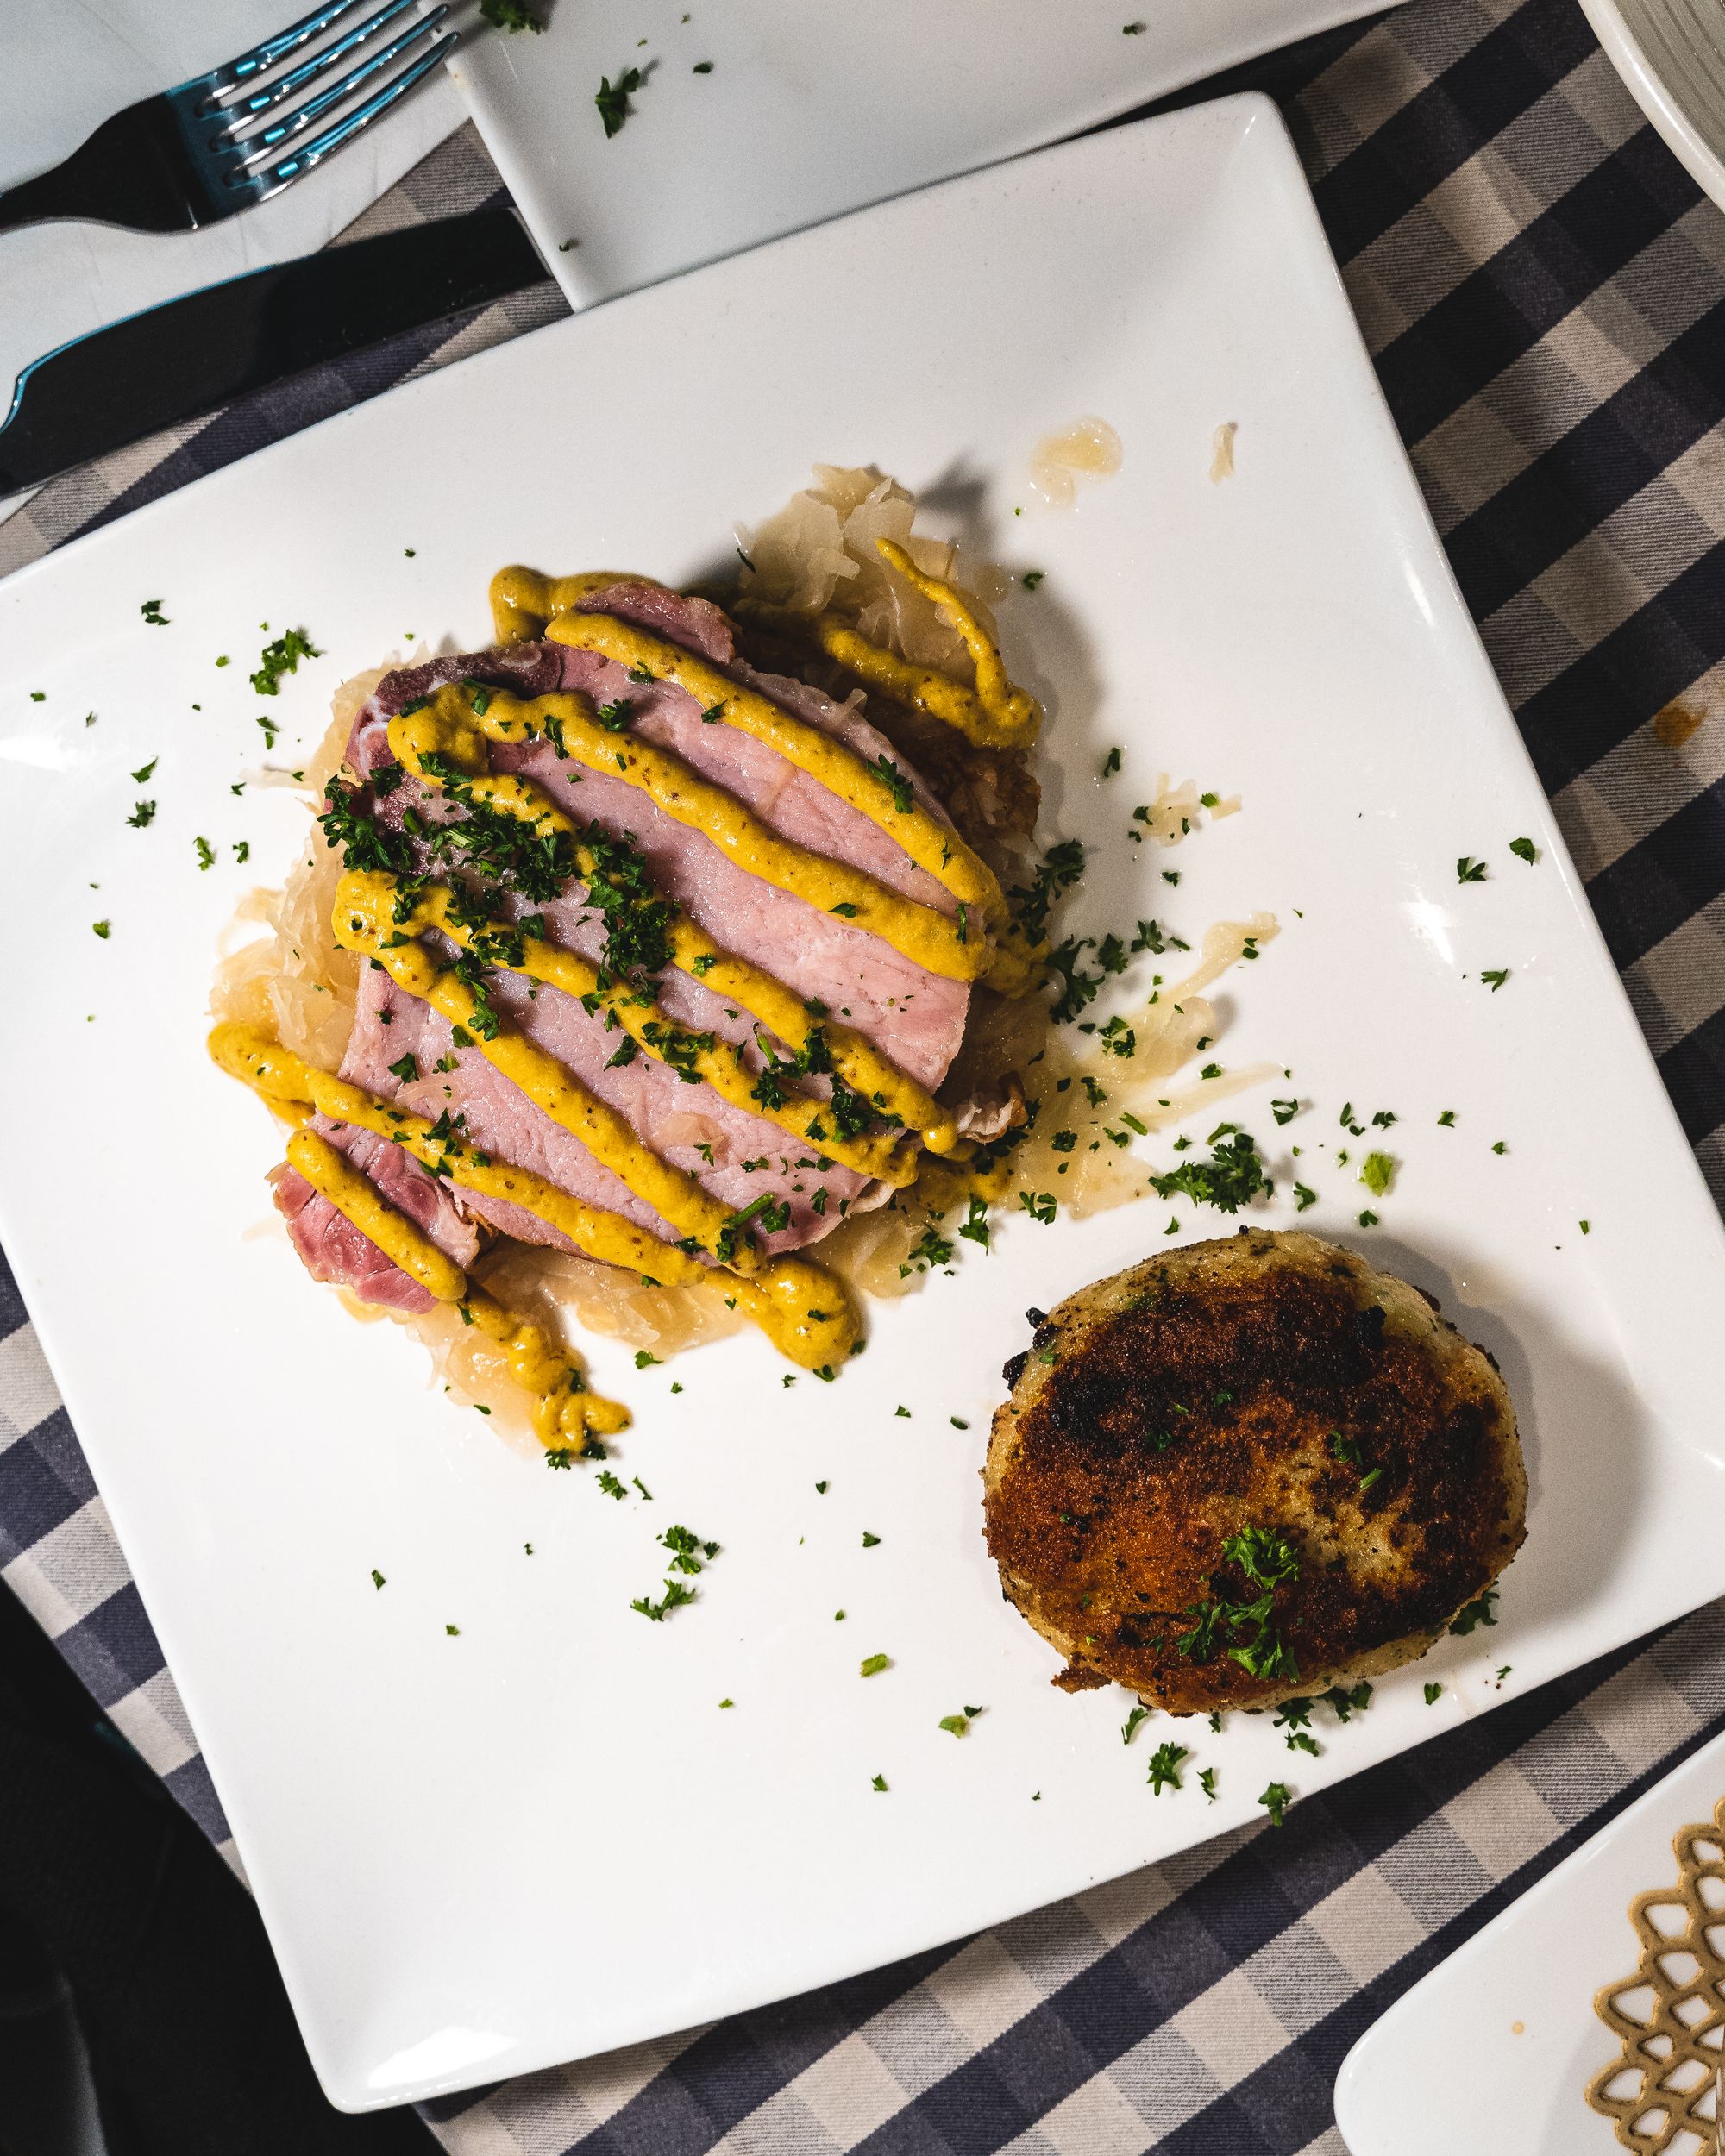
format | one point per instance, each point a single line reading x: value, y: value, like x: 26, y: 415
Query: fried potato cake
x: 1246, y: 1471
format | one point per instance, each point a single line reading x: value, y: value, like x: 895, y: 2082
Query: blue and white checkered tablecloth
x: 1543, y: 291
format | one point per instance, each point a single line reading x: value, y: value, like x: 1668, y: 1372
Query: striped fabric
x: 1543, y: 290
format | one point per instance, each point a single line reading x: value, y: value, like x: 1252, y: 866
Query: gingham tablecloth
x: 1543, y: 290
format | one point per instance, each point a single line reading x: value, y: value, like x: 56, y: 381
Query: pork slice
x: 914, y: 1017
x: 675, y: 1119
x: 696, y: 624
x: 526, y: 670
x: 333, y: 1249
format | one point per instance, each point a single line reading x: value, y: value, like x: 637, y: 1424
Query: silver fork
x: 206, y: 149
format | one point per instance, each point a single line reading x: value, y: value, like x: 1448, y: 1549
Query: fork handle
x: 127, y: 173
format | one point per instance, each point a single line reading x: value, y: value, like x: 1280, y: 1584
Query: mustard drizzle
x: 933, y: 846
x: 958, y: 949
x: 565, y: 1413
x: 449, y: 727
x: 815, y: 1334
x: 370, y: 896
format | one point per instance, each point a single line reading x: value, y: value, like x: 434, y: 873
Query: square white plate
x: 542, y: 1838
x: 809, y: 112
x: 1496, y: 2045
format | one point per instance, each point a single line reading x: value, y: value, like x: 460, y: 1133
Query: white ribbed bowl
x: 1672, y: 55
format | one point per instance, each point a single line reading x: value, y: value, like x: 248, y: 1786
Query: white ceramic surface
x: 809, y: 112
x: 543, y: 1837
x: 64, y: 69
x: 1672, y: 55
x: 1495, y: 2047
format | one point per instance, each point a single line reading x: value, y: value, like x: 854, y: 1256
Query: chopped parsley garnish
x: 705, y: 67
x: 206, y: 853
x: 645, y: 1359
x: 378, y: 1579
x: 1165, y: 1767
x: 511, y: 15
x: 407, y: 1069
x: 1032, y: 578
x: 870, y: 1541
x: 142, y: 814
x: 1348, y: 1703
x: 931, y: 1249
x: 1285, y: 1111
x: 1376, y: 1171
x: 1040, y: 1205
x: 1472, y: 1614
x: 1059, y: 869
x: 1468, y: 870
x: 612, y: 98
x: 1233, y: 1175
x: 1156, y: 940
x: 152, y: 612
x: 675, y: 1594
x: 1207, y: 1782
x: 282, y: 656
x: 845, y: 908
x: 1446, y: 1120
x: 903, y: 793
x: 1523, y: 849
x: 141, y: 776
x: 957, y: 1724
x: 1266, y: 1560
x: 873, y: 1664
x: 687, y: 1548
x: 243, y: 851
x: 1431, y: 1692
x: 1129, y: 1727
x: 879, y: 1782
x: 609, y: 1483
x: 1368, y: 1219
x: 1275, y: 1800
x: 1111, y: 763
x: 615, y: 717
x: 975, y: 1228
x: 1496, y: 976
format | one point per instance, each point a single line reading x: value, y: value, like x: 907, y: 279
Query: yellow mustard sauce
x: 958, y: 949
x: 523, y: 601
x: 933, y: 845
x: 370, y: 895
x: 565, y: 1413
x: 803, y: 1309
x: 448, y: 726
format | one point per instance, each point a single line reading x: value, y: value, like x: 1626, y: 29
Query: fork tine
x: 262, y: 57
x: 260, y: 100
x: 258, y: 186
x: 254, y: 147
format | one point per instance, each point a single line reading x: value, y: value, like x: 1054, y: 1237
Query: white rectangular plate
x: 1495, y: 2048
x: 810, y: 112
x: 542, y: 1836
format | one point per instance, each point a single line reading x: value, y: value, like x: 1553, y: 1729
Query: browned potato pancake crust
x: 1269, y: 1385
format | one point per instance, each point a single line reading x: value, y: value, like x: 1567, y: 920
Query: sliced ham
x: 915, y: 1017
x: 333, y: 1249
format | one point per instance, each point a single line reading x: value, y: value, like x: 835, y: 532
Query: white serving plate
x: 1495, y: 2048
x: 1672, y: 55
x: 543, y: 1837
x: 810, y: 112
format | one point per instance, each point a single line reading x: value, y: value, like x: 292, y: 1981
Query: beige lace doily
x: 1669, y: 2017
